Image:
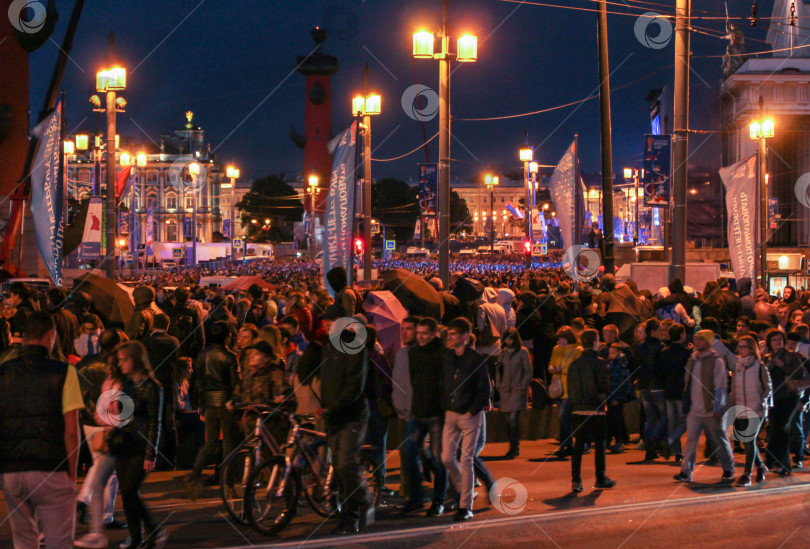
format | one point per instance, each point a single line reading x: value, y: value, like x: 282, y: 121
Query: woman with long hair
x: 564, y: 353
x: 751, y: 389
x: 135, y: 437
x: 271, y: 335
x: 512, y: 380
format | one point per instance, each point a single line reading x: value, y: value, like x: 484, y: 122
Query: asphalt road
x: 647, y: 509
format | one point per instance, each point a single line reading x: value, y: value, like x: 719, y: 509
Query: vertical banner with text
x: 428, y: 189
x: 657, y: 169
x: 740, y: 180
x: 47, y: 194
x: 564, y: 191
x: 340, y: 203
x: 90, y: 248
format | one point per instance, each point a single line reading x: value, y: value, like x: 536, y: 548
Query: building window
x: 503, y: 199
x: 152, y: 178
x: 171, y: 231
x: 171, y: 201
x: 152, y: 200
x: 485, y: 200
x: 188, y: 201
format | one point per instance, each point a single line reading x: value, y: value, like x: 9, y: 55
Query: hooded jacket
x: 505, y: 299
x: 141, y: 322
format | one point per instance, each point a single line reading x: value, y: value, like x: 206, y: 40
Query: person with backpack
x: 140, y: 324
x: 669, y: 307
x: 346, y: 297
x: 186, y: 325
x: 751, y: 389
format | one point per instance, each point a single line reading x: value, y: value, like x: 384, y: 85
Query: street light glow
x: 313, y: 181
x: 423, y: 45
x: 69, y: 147
x: 113, y: 79
x: 628, y: 173
x: 526, y: 154
x: 373, y: 105
x: 534, y: 167
x: 141, y: 159
x: 82, y: 141
x: 755, y: 130
x: 767, y: 128
x: 125, y: 159
x: 194, y: 168
x: 467, y: 49
x: 358, y: 104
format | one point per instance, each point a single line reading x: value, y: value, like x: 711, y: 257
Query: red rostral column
x: 318, y: 68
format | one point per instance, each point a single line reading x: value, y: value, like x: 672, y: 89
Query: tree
x: 395, y: 204
x: 460, y: 218
x: 270, y: 198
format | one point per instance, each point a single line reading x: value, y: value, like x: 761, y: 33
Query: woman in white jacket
x: 750, y: 393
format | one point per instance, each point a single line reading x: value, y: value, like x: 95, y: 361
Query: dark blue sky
x: 221, y: 59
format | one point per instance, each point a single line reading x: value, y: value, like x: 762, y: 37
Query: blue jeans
x: 676, y: 425
x: 655, y: 413
x: 564, y: 413
x: 481, y: 471
x: 416, y: 431
x: 377, y: 436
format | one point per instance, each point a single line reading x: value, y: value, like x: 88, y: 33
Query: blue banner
x: 188, y: 225
x: 740, y: 180
x: 47, y: 194
x: 226, y: 228
x: 564, y: 191
x: 150, y: 230
x: 657, y: 164
x: 428, y: 189
x: 339, y: 212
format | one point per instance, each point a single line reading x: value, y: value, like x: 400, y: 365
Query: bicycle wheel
x: 323, y: 499
x: 369, y: 475
x: 233, y: 478
x: 267, y: 511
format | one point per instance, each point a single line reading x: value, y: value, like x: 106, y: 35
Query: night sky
x: 221, y: 59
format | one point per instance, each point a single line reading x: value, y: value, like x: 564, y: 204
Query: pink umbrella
x: 386, y: 313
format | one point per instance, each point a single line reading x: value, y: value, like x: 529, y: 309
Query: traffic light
x: 358, y: 246
x: 527, y: 247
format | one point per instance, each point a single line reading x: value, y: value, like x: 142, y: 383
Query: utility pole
x: 681, y: 139
x: 444, y: 151
x: 607, y: 140
x: 368, y: 250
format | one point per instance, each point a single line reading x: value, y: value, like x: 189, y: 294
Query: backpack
x: 668, y: 312
x: 488, y: 335
x: 539, y: 394
x: 182, y: 327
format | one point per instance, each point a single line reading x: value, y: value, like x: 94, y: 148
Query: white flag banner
x: 563, y: 191
x: 740, y: 180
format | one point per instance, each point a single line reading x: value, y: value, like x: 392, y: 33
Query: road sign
x: 539, y: 249
x: 390, y: 245
x: 375, y: 228
x: 177, y: 253
x: 237, y: 242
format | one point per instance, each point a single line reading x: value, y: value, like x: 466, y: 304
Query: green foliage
x: 270, y: 198
x: 395, y: 204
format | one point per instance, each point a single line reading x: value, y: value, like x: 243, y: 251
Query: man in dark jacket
x: 588, y: 384
x: 67, y: 325
x: 140, y: 324
x: 650, y: 381
x: 186, y: 325
x: 40, y: 401
x: 343, y: 370
x: 216, y: 378
x: 673, y: 364
x: 465, y: 393
x: 161, y: 348
x: 23, y: 300
x: 427, y: 416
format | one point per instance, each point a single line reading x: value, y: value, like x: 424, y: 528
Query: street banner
x: 740, y: 180
x: 188, y: 224
x: 90, y: 249
x: 563, y: 192
x: 517, y: 214
x: 47, y: 194
x: 657, y: 166
x: 226, y: 228
x: 773, y: 212
x: 417, y: 231
x: 428, y: 189
x: 150, y: 230
x: 123, y: 182
x: 340, y: 203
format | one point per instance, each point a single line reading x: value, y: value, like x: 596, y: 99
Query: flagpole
x: 577, y: 214
x: 63, y: 170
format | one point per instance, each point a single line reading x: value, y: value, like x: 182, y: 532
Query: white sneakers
x: 92, y: 541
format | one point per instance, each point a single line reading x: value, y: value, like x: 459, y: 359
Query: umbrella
x: 244, y: 282
x: 386, y: 314
x: 109, y: 299
x: 468, y: 289
x: 414, y: 292
x: 131, y: 289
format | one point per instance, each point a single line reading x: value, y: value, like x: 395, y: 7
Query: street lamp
x: 467, y: 51
x: 526, y: 156
x: 110, y: 81
x: 491, y: 181
x: 761, y: 131
x: 313, y: 188
x: 628, y: 173
x: 194, y: 171
x: 233, y: 174
x: 366, y: 106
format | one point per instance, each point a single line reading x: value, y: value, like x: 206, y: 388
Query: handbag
x: 555, y: 389
x: 98, y: 443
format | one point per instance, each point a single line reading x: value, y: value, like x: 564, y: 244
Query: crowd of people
x: 83, y: 393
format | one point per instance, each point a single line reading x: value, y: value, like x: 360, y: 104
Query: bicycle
x: 273, y: 486
x: 237, y: 466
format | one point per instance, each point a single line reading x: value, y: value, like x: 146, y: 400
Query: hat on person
x: 333, y: 312
x: 437, y: 283
x: 705, y: 335
x: 663, y: 292
x: 262, y: 347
